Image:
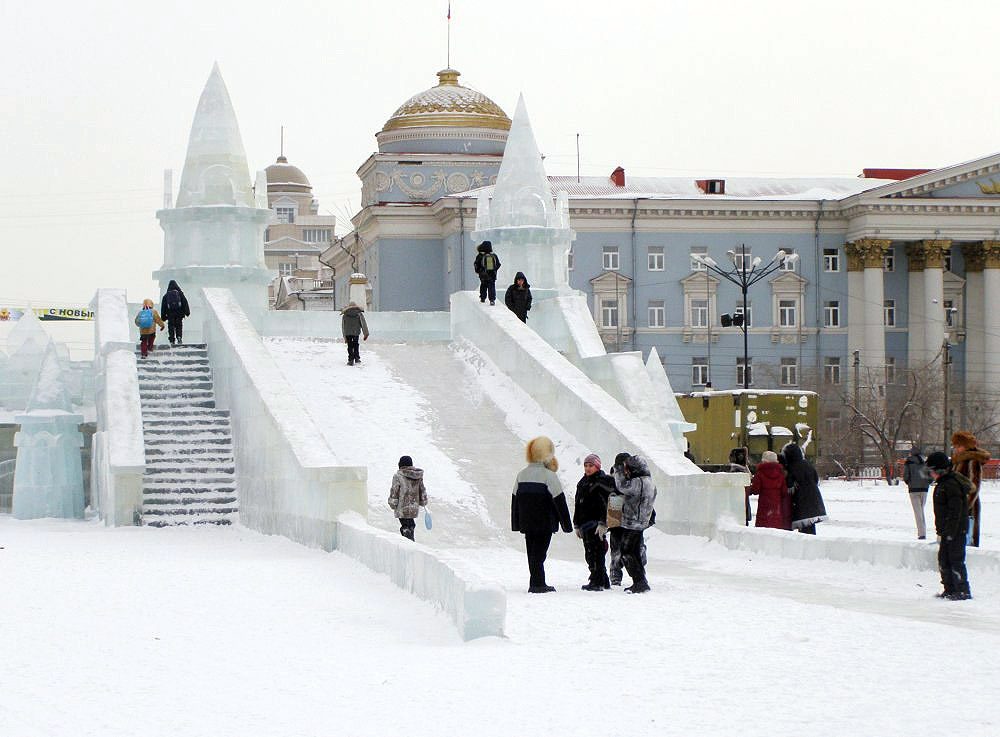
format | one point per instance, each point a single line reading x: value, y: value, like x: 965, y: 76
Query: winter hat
x: 594, y: 460
x: 487, y: 246
x: 938, y: 461
x: 769, y: 456
x: 964, y: 438
x: 405, y: 461
x: 541, y: 450
x: 621, y: 458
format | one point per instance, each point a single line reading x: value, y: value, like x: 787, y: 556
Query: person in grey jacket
x: 353, y: 324
x: 635, y: 483
x: 407, y: 495
x: 917, y: 478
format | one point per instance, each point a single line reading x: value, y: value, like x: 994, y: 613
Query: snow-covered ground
x: 228, y: 632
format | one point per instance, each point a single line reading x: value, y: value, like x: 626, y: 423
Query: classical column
x: 915, y: 347
x: 934, y: 253
x: 975, y: 335
x: 991, y: 314
x: 866, y: 300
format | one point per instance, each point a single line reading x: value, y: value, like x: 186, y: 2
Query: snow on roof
x: 737, y: 188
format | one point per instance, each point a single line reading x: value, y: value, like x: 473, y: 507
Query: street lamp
x: 744, y: 274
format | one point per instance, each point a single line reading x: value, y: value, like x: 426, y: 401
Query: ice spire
x: 522, y: 195
x: 215, y: 170
x: 28, y: 327
x: 49, y: 392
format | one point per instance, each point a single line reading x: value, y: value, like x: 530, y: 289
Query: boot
x: 639, y: 587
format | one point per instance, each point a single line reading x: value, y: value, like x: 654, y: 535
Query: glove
x: 579, y: 532
x: 366, y: 337
x: 601, y: 531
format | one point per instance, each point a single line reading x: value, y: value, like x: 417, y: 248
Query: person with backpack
x: 174, y: 308
x: 917, y: 478
x: 407, y: 495
x: 487, y: 265
x: 146, y: 320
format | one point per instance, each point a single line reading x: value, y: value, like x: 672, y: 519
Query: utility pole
x: 946, y: 368
x: 857, y: 396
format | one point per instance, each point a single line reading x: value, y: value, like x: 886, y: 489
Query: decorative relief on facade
x: 383, y: 182
x: 934, y: 253
x: 991, y: 254
x: 417, y: 186
x: 866, y: 253
x: 992, y: 188
x: 478, y: 178
x: 458, y: 182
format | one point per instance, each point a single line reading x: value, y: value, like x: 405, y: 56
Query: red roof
x: 896, y: 174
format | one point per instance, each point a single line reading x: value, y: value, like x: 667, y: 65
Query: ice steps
x: 190, y: 476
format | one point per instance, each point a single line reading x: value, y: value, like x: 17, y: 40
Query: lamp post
x: 744, y: 275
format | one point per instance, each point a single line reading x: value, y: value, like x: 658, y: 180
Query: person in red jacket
x: 774, y: 505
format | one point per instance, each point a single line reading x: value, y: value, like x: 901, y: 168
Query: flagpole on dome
x: 448, y: 65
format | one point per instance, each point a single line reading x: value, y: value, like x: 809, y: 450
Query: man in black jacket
x: 590, y: 516
x: 951, y: 521
x: 487, y: 265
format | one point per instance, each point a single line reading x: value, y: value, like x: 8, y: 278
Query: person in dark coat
x: 174, y: 308
x: 774, y: 506
x: 917, y: 478
x: 951, y: 519
x: 616, y: 532
x: 487, y: 265
x: 537, y: 508
x: 969, y: 461
x: 590, y: 519
x: 803, y: 485
x: 635, y: 483
x: 352, y: 324
x: 518, y: 297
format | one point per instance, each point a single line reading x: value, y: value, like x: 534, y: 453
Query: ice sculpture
x: 528, y: 227
x: 48, y: 477
x: 214, y: 236
x: 27, y: 343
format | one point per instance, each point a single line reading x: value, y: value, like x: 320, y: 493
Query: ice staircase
x: 190, y: 473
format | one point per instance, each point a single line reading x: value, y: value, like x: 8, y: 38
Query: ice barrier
x: 690, y: 502
x: 289, y: 481
x: 118, y: 456
x: 478, y: 608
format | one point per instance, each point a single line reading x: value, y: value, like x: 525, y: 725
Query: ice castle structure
x: 48, y: 477
x: 27, y: 343
x: 214, y: 235
x: 529, y: 228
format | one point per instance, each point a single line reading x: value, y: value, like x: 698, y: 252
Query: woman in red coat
x: 774, y: 505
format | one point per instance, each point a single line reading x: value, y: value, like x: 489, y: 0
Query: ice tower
x: 27, y: 343
x: 214, y: 236
x: 48, y: 477
x: 529, y: 228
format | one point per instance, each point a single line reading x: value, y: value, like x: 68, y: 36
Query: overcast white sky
x: 98, y: 97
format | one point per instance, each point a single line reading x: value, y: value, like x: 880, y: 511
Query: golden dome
x: 449, y: 104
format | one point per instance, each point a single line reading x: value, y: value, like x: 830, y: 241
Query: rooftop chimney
x: 618, y: 177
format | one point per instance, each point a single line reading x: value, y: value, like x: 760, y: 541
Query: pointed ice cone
x: 49, y: 392
x: 28, y: 327
x: 215, y: 170
x: 522, y: 195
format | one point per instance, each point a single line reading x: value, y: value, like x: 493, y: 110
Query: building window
x: 569, y: 260
x: 699, y: 371
x: 743, y: 260
x: 789, y: 263
x: 949, y: 313
x: 699, y: 313
x: 889, y: 260
x: 609, y: 313
x: 832, y: 421
x: 889, y: 313
x: 742, y: 369
x: 285, y: 214
x: 316, y: 235
x: 610, y: 256
x: 786, y: 313
x: 890, y: 370
x: 747, y: 312
x: 831, y: 259
x: 698, y: 251
x: 831, y: 314
x: 285, y: 268
x: 655, y: 258
x: 947, y: 260
x: 831, y: 370
x: 789, y: 372
x: 715, y: 186
x: 657, y: 313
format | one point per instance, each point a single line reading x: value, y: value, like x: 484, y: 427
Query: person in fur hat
x: 951, y: 522
x: 968, y: 460
x: 590, y: 512
x: 487, y: 265
x: 636, y: 485
x: 407, y: 495
x: 538, y: 507
x: 803, y: 485
x: 353, y: 323
x: 774, y: 505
